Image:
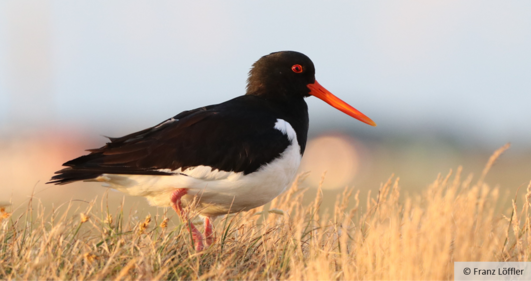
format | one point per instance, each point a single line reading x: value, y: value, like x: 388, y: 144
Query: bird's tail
x: 69, y: 175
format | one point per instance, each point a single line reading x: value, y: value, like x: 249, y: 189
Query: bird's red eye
x: 297, y: 68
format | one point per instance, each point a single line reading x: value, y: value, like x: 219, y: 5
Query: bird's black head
x: 285, y: 76
x: 281, y: 75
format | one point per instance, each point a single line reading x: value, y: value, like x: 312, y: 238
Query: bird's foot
x: 209, y: 235
x: 197, y: 237
x: 177, y: 206
x: 176, y: 201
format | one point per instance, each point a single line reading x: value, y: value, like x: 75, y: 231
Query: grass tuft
x: 392, y: 237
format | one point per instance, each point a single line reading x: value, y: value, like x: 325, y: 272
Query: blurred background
x: 447, y: 82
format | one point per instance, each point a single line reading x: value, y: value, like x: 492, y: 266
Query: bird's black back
x: 237, y: 135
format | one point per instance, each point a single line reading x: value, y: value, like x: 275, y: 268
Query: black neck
x: 294, y: 110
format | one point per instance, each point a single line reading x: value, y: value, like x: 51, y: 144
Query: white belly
x: 218, y: 192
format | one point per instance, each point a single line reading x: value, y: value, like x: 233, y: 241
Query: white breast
x: 219, y: 192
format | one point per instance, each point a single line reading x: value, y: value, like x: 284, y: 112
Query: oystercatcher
x: 228, y: 157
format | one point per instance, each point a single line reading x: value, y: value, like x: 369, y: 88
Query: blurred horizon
x: 447, y: 66
x: 447, y: 82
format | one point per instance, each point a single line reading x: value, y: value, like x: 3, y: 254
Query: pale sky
x: 112, y: 67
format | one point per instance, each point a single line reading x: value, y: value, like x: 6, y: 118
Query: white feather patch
x: 286, y: 129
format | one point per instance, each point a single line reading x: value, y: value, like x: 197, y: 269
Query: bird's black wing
x: 229, y: 137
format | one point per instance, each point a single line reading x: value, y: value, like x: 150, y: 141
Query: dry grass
x: 393, y: 237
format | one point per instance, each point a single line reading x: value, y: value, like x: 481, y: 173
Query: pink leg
x: 176, y: 201
x: 177, y: 206
x: 209, y: 235
x: 196, y: 236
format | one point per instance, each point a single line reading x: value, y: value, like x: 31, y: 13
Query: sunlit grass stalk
x: 393, y: 237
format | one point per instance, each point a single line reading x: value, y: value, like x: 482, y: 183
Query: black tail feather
x: 133, y: 154
x: 69, y: 175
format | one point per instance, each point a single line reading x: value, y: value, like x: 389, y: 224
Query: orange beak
x: 320, y: 92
